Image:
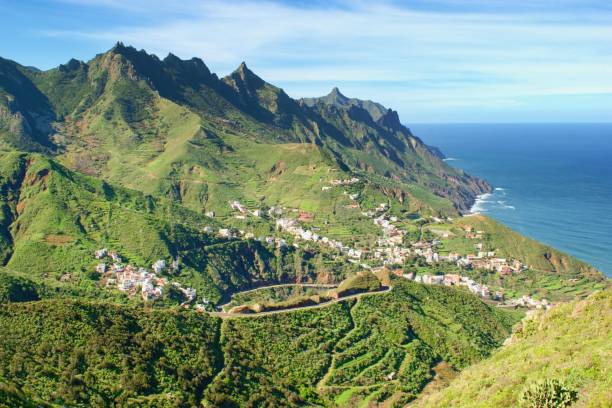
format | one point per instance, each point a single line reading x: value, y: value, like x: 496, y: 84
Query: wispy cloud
x: 446, y: 50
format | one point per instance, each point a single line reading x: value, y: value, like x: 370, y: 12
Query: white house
x: 159, y: 266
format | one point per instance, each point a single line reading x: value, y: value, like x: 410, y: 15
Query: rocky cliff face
x: 377, y: 130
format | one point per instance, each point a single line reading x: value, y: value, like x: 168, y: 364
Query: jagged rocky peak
x: 72, y: 65
x: 122, y: 49
x: 335, y: 93
x: 193, y: 65
x: 339, y: 100
x: 246, y: 75
x: 335, y: 97
x: 172, y: 59
x: 390, y: 119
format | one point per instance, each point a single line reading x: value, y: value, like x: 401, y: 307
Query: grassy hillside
x: 25, y: 112
x: 569, y: 344
x: 53, y: 220
x: 551, y: 274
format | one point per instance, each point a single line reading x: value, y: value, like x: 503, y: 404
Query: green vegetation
x: 550, y: 355
x: 539, y: 257
x: 88, y: 354
x: 132, y: 153
x: 16, y: 289
x: 276, y: 360
x: 399, y: 337
x: 54, y: 219
x: 275, y: 294
x: 547, y: 393
x: 551, y: 274
x: 348, y: 350
x: 362, y: 282
x: 84, y: 353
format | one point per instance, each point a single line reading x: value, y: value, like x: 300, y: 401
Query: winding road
x: 226, y: 315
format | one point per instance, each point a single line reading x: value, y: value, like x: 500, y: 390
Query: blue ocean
x: 553, y: 182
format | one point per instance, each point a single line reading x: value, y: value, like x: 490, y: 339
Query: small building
x: 225, y: 232
x: 452, y: 279
x: 409, y: 276
x: 125, y: 285
x: 115, y: 257
x: 235, y: 205
x: 159, y: 266
x: 306, y: 216
x: 437, y: 279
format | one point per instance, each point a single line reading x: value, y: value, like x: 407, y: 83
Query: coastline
x: 545, y: 196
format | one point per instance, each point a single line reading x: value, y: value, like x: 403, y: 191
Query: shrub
x: 16, y: 289
x: 549, y: 393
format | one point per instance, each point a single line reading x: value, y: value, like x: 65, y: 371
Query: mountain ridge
x: 84, y: 93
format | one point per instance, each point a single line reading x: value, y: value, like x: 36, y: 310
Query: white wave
x: 450, y: 159
x: 487, y: 201
x: 478, y: 205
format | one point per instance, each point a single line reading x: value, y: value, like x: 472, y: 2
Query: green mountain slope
x: 82, y: 353
x: 172, y: 127
x: 551, y: 274
x: 570, y: 343
x: 53, y: 220
x: 25, y: 112
x: 382, y: 145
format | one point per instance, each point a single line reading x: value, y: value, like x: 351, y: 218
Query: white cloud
x: 500, y: 54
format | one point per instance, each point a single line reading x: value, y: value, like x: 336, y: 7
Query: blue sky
x: 432, y: 60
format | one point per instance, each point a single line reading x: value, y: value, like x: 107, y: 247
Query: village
x: 478, y: 289
x: 133, y: 280
x: 392, y: 250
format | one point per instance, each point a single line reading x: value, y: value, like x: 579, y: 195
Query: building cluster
x: 481, y: 260
x: 292, y: 227
x: 528, y: 301
x: 242, y: 212
x: 457, y: 280
x: 390, y: 248
x: 149, y: 284
x: 344, y: 182
x: 476, y: 288
x: 392, y: 235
